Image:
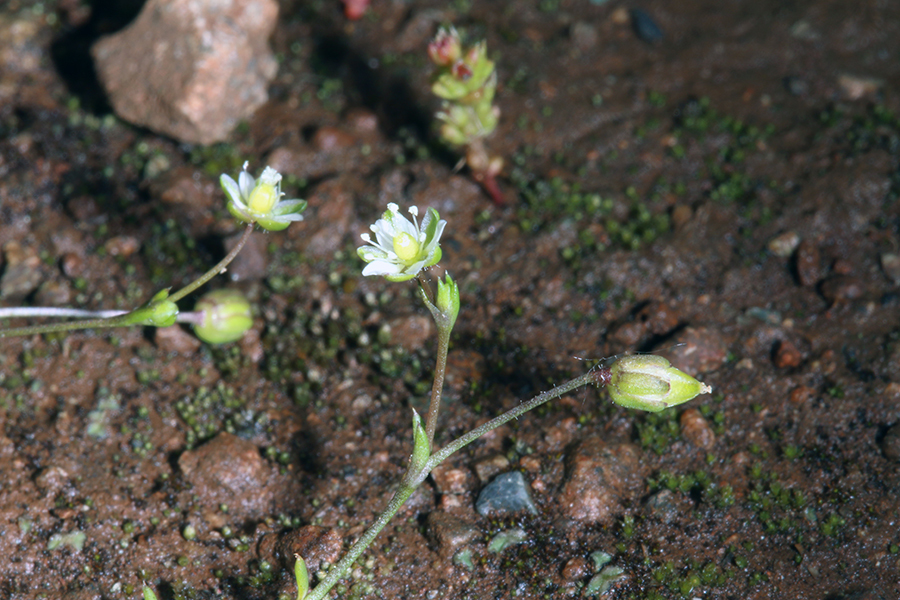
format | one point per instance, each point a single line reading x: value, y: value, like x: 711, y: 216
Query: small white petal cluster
x: 402, y: 247
x: 259, y: 200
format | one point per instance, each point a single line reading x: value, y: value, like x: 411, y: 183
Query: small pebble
x: 72, y: 265
x: 175, y: 339
x: 54, y: 293
x: 890, y: 443
x: 645, y: 27
x: 783, y: 245
x: 696, y: 429
x: 801, y: 394
x: 598, y: 477
x: 855, y: 87
x: 808, y: 263
x: 122, y: 245
x: 449, y: 533
x: 787, y: 355
x: 702, y: 350
x: 316, y: 545
x: 890, y: 264
x: 841, y: 288
x: 584, y: 35
x: 796, y: 86
x: 449, y: 480
x: 224, y: 470
x: 803, y: 30
x: 507, y: 493
x: 663, y: 505
x: 575, y: 568
x: 486, y: 468
x: 327, y: 139
x: 22, y: 273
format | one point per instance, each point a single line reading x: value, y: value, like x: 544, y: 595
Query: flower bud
x: 649, y: 382
x: 159, y: 311
x: 226, y: 316
x: 445, y: 48
x: 448, y: 300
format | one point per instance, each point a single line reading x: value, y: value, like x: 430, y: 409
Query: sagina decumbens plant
x: 398, y: 249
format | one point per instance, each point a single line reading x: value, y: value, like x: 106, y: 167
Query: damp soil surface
x: 716, y: 182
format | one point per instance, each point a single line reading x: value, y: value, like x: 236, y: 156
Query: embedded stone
x: 190, y: 69
x: 507, y: 493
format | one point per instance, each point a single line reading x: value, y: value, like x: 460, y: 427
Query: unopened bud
x: 226, y: 316
x: 445, y: 48
x: 649, y: 382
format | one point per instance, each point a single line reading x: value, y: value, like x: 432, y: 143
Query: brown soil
x: 732, y: 186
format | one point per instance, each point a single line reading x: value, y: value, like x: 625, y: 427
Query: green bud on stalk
x: 448, y: 300
x: 159, y: 311
x: 226, y: 316
x: 649, y: 382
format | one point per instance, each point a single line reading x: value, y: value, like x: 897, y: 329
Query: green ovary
x: 406, y: 247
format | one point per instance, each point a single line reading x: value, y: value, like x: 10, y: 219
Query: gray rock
x: 507, y: 493
x: 645, y: 27
x: 191, y: 69
x: 663, y: 505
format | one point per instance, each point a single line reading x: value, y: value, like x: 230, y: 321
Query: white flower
x: 401, y: 247
x: 259, y: 200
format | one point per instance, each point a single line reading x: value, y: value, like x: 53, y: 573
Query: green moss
x: 212, y: 410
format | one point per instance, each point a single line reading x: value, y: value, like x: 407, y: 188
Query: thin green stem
x: 118, y: 321
x: 407, y: 486
x: 103, y: 319
x: 594, y: 376
x: 440, y: 369
x: 122, y: 319
x: 219, y: 268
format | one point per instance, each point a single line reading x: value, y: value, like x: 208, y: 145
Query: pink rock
x: 191, y: 69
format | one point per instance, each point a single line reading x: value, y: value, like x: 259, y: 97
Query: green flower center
x: 262, y: 198
x: 406, y: 247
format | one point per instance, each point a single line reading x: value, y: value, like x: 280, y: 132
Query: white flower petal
x: 231, y: 187
x: 381, y: 267
x: 246, y: 182
x: 370, y: 253
x: 384, y: 234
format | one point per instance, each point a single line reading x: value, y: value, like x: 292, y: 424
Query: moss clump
x: 212, y: 410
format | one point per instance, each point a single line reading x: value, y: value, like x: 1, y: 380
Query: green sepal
x: 159, y: 311
x: 448, y: 300
x: 421, y: 447
x: 302, y: 576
